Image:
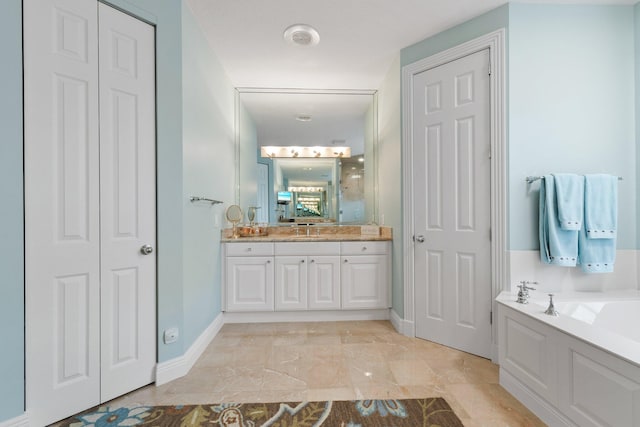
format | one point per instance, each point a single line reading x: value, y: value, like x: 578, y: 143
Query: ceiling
x: 359, y: 39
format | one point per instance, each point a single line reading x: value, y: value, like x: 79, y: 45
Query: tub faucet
x: 523, y: 293
x: 551, y: 310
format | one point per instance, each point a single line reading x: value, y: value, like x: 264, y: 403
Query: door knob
x: 146, y: 249
x: 419, y: 239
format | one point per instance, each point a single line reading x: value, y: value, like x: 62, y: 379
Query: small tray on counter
x: 253, y: 230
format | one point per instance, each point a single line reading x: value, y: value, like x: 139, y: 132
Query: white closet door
x: 127, y: 200
x: 452, y: 194
x: 62, y: 236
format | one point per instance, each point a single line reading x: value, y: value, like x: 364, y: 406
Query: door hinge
x: 490, y: 234
x: 489, y: 66
x: 491, y: 317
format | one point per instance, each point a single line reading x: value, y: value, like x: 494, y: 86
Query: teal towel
x: 601, y: 206
x: 557, y: 246
x: 597, y: 241
x: 596, y: 255
x: 570, y: 199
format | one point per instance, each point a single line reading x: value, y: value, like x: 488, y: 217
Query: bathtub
x: 581, y: 368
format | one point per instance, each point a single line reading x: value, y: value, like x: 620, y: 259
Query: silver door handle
x: 419, y: 239
x: 146, y: 249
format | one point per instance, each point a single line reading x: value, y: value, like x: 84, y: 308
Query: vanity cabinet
x: 249, y: 277
x: 365, y: 274
x: 306, y: 276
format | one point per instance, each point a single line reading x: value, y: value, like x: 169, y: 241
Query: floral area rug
x: 431, y: 412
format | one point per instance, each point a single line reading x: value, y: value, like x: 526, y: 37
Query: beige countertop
x: 326, y: 234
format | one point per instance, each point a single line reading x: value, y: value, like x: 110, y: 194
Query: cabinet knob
x: 364, y: 248
x: 313, y: 260
x: 346, y: 260
x: 302, y: 261
x: 268, y: 261
x: 248, y: 249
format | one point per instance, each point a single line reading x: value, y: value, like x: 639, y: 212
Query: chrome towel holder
x: 532, y: 179
x: 194, y: 199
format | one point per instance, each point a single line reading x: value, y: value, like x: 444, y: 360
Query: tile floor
x: 339, y: 361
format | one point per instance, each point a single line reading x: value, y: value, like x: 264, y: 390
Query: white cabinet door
x: 324, y: 282
x: 291, y: 283
x: 249, y: 283
x: 365, y: 281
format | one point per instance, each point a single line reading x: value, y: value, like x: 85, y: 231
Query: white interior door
x: 127, y: 201
x: 451, y: 164
x: 62, y: 234
x: 84, y: 196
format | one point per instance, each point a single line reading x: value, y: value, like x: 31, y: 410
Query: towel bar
x: 532, y: 179
x: 204, y: 199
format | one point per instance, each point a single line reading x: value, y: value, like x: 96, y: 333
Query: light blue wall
x: 208, y: 152
x: 11, y: 212
x: 476, y: 27
x: 390, y: 176
x: 571, y: 105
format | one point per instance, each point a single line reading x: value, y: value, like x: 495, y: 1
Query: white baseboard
x: 540, y: 407
x: 180, y: 366
x: 403, y: 327
x: 307, y: 316
x: 20, y: 421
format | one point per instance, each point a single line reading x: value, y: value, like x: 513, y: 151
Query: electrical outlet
x: 171, y: 335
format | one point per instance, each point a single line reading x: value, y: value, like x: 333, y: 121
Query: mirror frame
x: 374, y: 99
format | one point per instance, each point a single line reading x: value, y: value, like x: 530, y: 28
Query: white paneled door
x: 127, y: 202
x: 451, y: 164
x: 89, y: 205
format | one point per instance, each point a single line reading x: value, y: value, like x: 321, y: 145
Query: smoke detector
x: 302, y: 35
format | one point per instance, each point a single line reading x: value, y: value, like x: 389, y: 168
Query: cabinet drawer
x: 249, y: 249
x: 307, y: 248
x: 364, y: 248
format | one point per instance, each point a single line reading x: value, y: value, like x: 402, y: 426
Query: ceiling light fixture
x: 308, y: 152
x: 303, y: 117
x: 302, y: 35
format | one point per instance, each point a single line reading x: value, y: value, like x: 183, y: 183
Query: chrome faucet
x: 551, y: 310
x: 523, y: 293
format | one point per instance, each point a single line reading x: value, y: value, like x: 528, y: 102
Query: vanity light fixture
x: 305, y: 190
x: 305, y: 152
x: 301, y: 35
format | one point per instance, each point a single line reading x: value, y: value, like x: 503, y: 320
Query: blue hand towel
x: 570, y: 199
x: 557, y: 246
x: 601, y: 206
x: 596, y: 255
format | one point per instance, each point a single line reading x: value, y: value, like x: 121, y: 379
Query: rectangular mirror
x: 307, y: 156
